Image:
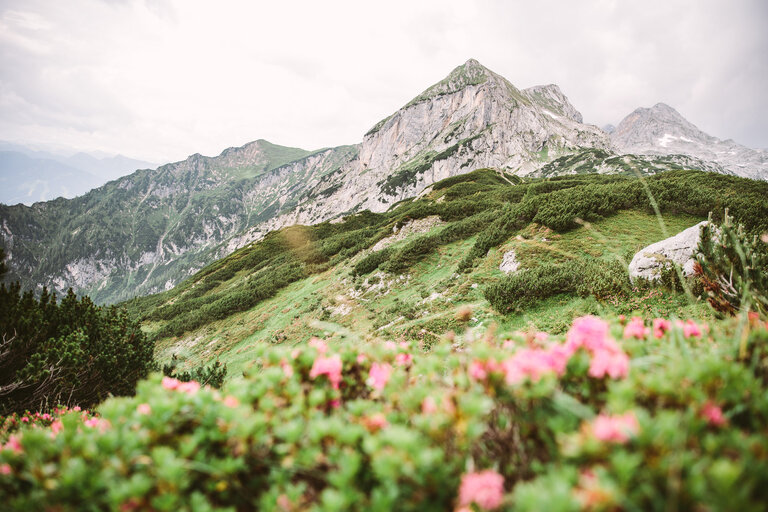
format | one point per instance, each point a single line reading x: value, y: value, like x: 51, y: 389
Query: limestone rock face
x: 509, y: 263
x: 679, y: 249
x: 661, y: 130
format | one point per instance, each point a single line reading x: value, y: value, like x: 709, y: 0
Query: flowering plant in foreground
x: 623, y: 415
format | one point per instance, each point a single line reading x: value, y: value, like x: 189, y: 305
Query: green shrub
x: 733, y: 268
x: 535, y: 423
x: 70, y: 352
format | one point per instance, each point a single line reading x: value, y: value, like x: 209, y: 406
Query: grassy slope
x: 420, y: 302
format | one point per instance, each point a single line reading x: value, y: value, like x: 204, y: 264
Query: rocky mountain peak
x: 551, y: 98
x: 662, y: 130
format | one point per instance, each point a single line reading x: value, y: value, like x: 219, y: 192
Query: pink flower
x: 477, y: 370
x: 636, y: 328
x: 25, y: 420
x: 379, y: 375
x: 533, y: 363
x: 13, y: 444
x: 230, y: 401
x: 361, y: 358
x: 56, y: 426
x: 190, y: 387
x: 713, y: 414
x: 335, y: 403
x: 284, y: 502
x: 287, y: 368
x: 5, y: 469
x: 485, y: 489
x: 691, y: 328
x: 320, y: 345
x: 660, y: 326
x: 390, y: 345
x: 403, y: 359
x: 295, y: 353
x: 76, y: 408
x: 170, y: 383
x: 329, y: 366
x: 615, y: 429
x: 613, y: 363
x: 144, y: 409
x: 589, y: 332
x: 428, y: 405
x: 375, y: 422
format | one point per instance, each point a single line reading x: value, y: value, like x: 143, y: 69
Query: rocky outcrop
x: 661, y: 130
x: 509, y: 263
x: 679, y: 249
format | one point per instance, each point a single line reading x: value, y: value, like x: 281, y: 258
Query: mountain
x: 27, y: 180
x: 146, y: 232
x: 402, y: 274
x: 30, y: 175
x: 661, y: 130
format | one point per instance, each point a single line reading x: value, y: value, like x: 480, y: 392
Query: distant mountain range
x: 145, y: 232
x: 28, y: 175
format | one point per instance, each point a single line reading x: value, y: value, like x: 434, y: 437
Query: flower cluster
x: 517, y: 419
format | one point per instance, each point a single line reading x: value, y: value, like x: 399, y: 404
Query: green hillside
x: 327, y: 280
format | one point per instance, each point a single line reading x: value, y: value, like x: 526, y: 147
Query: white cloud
x: 163, y: 79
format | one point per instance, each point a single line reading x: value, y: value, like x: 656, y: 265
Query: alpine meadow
x: 486, y: 304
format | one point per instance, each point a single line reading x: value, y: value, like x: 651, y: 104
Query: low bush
x: 69, y: 352
x: 632, y: 416
x: 585, y: 277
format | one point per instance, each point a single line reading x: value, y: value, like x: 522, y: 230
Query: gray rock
x: 679, y: 249
x: 509, y: 263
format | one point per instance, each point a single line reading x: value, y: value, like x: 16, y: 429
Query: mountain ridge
x: 146, y: 232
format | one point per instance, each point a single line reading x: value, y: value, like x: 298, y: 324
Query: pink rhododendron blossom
x: 541, y: 336
x: 99, y: 423
x: 379, y: 375
x: 477, y: 370
x: 287, y: 368
x: 636, y: 329
x: 376, y: 422
x: 485, y: 489
x: 25, y: 420
x: 589, y: 332
x: 190, y: 387
x: 284, y: 502
x: 144, y: 409
x: 5, y: 469
x: 170, y: 383
x: 405, y: 345
x: 660, y: 326
x: 713, y: 414
x: 361, y: 358
x: 230, y: 401
x: 613, y: 363
x: 56, y: 427
x: 295, y: 353
x: 335, y: 403
x: 428, y: 405
x: 329, y: 366
x: 76, y: 408
x: 615, y: 429
x: 320, y: 345
x: 390, y: 345
x: 691, y: 329
x: 403, y: 359
x: 13, y: 444
x: 533, y: 363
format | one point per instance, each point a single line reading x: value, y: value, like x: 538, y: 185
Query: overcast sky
x: 162, y: 79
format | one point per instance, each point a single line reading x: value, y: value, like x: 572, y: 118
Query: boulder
x: 679, y: 249
x: 509, y: 262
